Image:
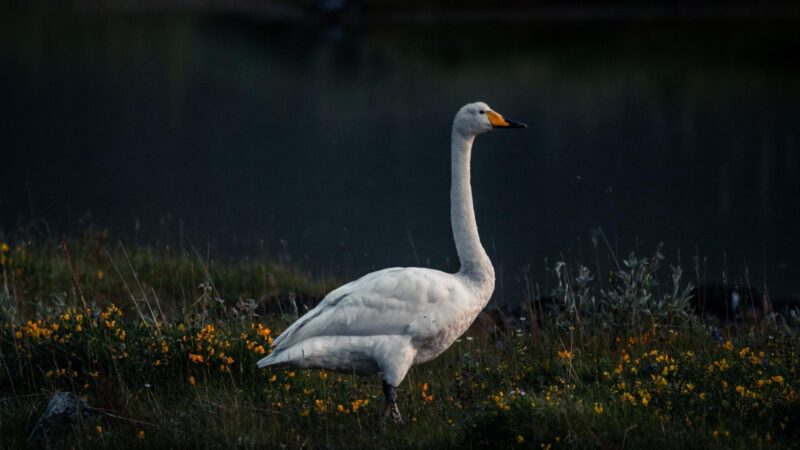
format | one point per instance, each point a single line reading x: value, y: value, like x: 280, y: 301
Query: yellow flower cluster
x: 38, y: 330
x: 358, y: 404
x: 500, y: 401
x: 739, y: 379
x: 110, y: 318
x: 260, y: 342
x: 60, y: 329
x: 503, y: 400
x: 209, y: 348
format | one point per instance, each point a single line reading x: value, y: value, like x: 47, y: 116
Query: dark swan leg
x: 390, y: 394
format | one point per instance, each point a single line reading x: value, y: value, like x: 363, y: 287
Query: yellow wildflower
x: 263, y: 331
x: 520, y: 439
x: 565, y: 355
x: 340, y: 408
x: 320, y: 405
x: 140, y: 435
x: 778, y: 379
x: 426, y: 397
x: 98, y: 429
x: 728, y: 345
x: 645, y: 397
x: 355, y: 405
x: 192, y: 380
x: 5, y: 248
x: 598, y: 408
x: 101, y: 275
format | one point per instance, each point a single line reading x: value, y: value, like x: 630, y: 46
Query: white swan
x: 389, y: 320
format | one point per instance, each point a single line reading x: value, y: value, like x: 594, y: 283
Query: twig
x: 136, y: 278
x: 127, y: 288
x: 75, y: 280
x: 610, y: 250
x: 251, y: 408
x: 140, y: 422
x: 625, y: 436
x: 413, y: 247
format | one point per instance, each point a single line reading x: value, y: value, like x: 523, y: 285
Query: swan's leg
x: 390, y: 394
x: 394, y: 356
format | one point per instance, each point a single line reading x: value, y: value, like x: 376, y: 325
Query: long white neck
x: 475, y: 264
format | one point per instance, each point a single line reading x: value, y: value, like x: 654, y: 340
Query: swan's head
x: 476, y: 118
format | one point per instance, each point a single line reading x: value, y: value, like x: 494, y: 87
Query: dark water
x: 332, y: 146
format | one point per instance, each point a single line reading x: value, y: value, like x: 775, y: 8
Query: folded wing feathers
x: 383, y: 302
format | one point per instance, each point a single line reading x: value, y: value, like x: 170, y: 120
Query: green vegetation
x: 162, y: 345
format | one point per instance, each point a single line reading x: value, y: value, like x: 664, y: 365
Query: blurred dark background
x: 318, y: 132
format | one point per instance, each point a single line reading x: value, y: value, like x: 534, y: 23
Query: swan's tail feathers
x: 263, y: 362
x: 273, y: 359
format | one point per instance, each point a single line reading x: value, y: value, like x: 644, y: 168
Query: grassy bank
x: 155, y: 282
x: 163, y: 345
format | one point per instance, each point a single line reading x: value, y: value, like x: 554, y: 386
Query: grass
x: 163, y: 345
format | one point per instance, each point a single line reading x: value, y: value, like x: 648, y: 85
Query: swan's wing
x: 387, y: 302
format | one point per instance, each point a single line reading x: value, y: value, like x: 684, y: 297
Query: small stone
x: 61, y: 411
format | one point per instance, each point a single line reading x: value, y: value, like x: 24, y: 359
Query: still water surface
x: 331, y: 147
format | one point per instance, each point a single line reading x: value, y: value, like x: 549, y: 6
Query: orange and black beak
x: 498, y: 121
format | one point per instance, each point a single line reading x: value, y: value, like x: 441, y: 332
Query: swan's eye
x: 482, y: 112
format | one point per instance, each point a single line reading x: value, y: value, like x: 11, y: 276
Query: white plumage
x: 388, y: 320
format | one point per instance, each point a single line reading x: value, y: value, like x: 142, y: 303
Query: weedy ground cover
x: 163, y: 346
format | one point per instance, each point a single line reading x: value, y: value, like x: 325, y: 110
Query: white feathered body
x: 388, y: 320
x: 383, y: 322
